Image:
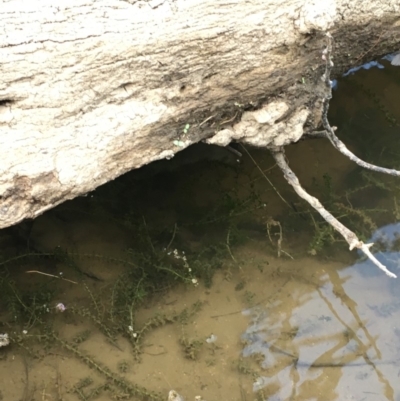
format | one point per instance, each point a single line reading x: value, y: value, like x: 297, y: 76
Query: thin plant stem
x: 263, y: 174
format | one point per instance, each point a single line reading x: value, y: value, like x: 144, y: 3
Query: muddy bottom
x: 274, y: 329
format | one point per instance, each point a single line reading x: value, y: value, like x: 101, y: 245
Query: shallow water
x: 274, y: 315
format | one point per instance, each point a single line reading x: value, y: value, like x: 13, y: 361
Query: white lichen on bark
x: 259, y: 128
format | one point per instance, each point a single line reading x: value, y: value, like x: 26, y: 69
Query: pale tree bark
x: 90, y: 89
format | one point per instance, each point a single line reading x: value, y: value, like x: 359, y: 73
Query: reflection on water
x: 340, y: 340
x: 344, y: 332
x: 258, y: 326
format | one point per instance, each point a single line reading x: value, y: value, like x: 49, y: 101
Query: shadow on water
x: 193, y: 275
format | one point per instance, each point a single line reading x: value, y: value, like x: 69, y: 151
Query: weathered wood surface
x: 90, y: 89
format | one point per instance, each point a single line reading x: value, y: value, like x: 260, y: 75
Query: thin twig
x: 229, y: 248
x: 228, y: 121
x: 263, y: 174
x: 234, y: 151
x: 287, y: 254
x: 350, y: 237
x: 365, y: 53
x: 148, y: 235
x: 26, y: 394
x: 207, y: 119
x: 51, y: 275
x: 172, y: 239
x: 272, y: 222
x: 58, y: 383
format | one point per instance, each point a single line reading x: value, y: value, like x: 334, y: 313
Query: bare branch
x: 329, y: 131
x: 350, y: 237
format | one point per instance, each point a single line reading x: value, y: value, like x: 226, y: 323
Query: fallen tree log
x: 92, y: 89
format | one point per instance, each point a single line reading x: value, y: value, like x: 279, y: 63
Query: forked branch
x: 350, y: 237
x: 279, y: 156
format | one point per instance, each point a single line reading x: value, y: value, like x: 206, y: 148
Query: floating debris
x: 4, y: 340
x: 61, y: 307
x: 211, y: 339
x: 174, y: 396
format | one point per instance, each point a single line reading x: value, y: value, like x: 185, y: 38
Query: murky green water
x: 194, y: 275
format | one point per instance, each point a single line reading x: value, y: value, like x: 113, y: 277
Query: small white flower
x: 24, y: 332
x: 130, y: 328
x: 195, y: 281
